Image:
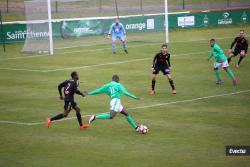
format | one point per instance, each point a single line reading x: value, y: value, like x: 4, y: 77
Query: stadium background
x: 189, y: 129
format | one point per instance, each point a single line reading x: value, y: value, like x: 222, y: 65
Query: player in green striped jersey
x: 113, y: 90
x: 220, y: 60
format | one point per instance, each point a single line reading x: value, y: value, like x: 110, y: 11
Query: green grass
x: 192, y: 133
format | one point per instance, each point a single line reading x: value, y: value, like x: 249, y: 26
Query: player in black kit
x: 70, y: 88
x: 161, y: 63
x: 240, y: 48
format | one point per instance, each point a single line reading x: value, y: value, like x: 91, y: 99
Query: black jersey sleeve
x: 168, y: 60
x: 62, y: 85
x: 154, y: 60
x: 76, y: 90
x: 246, y: 46
x: 79, y: 92
x: 233, y: 43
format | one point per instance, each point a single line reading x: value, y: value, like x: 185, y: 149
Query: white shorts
x: 115, y: 105
x: 223, y: 64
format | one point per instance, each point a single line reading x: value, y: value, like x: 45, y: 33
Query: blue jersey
x: 117, y: 29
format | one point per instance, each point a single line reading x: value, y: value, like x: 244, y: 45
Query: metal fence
x: 17, y: 6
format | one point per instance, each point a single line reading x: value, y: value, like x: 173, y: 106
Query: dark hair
x: 73, y: 74
x: 164, y: 45
x: 242, y: 30
x: 115, y: 78
x: 212, y: 40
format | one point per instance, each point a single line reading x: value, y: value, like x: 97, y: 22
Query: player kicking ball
x: 70, y: 88
x: 118, y: 32
x: 220, y: 60
x: 113, y: 90
x: 161, y: 63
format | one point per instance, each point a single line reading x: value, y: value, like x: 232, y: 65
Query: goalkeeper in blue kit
x: 118, y: 32
x: 113, y: 90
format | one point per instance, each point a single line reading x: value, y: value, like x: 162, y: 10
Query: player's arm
x: 126, y: 93
x: 154, y: 60
x: 168, y: 61
x: 246, y: 46
x: 110, y: 30
x: 210, y: 56
x: 76, y: 89
x: 232, y: 45
x: 97, y: 91
x: 79, y: 92
x: 123, y: 30
x: 60, y: 86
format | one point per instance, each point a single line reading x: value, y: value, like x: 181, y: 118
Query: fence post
x: 56, y: 6
x: 116, y: 7
x: 1, y: 30
x: 183, y: 4
x: 227, y: 3
x: 100, y: 6
x: 141, y: 6
x: 7, y: 6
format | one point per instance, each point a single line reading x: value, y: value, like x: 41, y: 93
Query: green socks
x: 131, y: 121
x: 107, y: 116
x: 231, y: 74
x: 217, y: 74
x: 103, y: 116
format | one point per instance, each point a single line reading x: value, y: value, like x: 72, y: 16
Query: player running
x: 113, y: 90
x: 220, y: 60
x: 240, y: 48
x: 70, y: 88
x: 118, y: 32
x: 161, y: 63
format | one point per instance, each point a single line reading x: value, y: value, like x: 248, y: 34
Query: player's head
x: 212, y: 42
x: 242, y: 33
x: 115, y: 78
x: 74, y: 75
x: 117, y: 20
x: 164, y: 48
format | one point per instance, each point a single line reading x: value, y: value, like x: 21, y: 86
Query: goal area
x: 61, y: 24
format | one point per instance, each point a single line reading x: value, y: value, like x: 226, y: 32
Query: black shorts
x: 164, y: 69
x: 69, y: 103
x: 237, y: 51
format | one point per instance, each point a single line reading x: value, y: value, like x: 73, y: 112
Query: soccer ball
x: 143, y: 129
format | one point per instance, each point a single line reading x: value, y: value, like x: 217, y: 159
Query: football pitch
x: 190, y: 128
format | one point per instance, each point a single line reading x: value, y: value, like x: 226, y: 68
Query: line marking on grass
x: 21, y: 69
x: 102, y: 49
x: 78, y: 51
x: 96, y: 65
x: 119, y: 62
x: 134, y: 108
x: 191, y: 100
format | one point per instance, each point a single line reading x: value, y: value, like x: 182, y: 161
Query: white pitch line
x: 102, y: 49
x: 78, y: 51
x: 96, y: 65
x: 190, y: 100
x: 120, y: 62
x: 134, y: 108
x: 24, y: 57
x: 21, y: 69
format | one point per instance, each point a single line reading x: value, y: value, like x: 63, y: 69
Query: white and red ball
x: 143, y: 129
